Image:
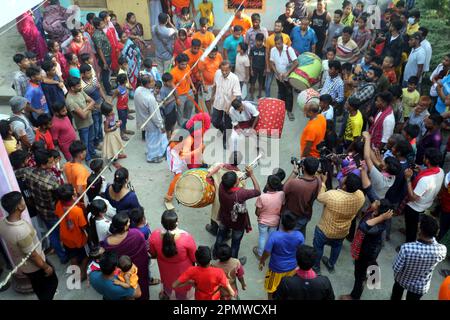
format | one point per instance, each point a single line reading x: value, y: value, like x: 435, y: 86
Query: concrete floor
x: 151, y: 182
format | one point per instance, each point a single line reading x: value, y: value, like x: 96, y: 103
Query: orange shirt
x: 314, y: 131
x: 71, y: 228
x: 76, y: 174
x: 206, y: 38
x: 180, y: 4
x: 245, y: 22
x: 177, y: 75
x: 193, y: 59
x: 208, y: 67
x: 390, y: 75
x: 444, y: 291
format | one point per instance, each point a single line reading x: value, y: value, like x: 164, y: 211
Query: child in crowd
x: 388, y: 69
x: 62, y: 131
x: 347, y: 76
x: 232, y: 268
x: 127, y: 277
x: 74, y: 65
x: 157, y: 91
x: 113, y: 141
x: 9, y: 141
x: 330, y: 56
x: 410, y: 97
x: 56, y: 168
x: 73, y: 228
x: 20, y: 80
x: 257, y: 65
x: 207, y: 11
x: 242, y: 68
x: 268, y: 211
x: 169, y: 108
x: 397, y: 106
x: 185, y: 21
x: 150, y: 69
x: 411, y: 132
x: 138, y: 221
x: 326, y: 108
x: 98, y: 188
x: 99, y: 224
x: 123, y: 69
x: 34, y: 94
x: 121, y: 93
x: 44, y: 123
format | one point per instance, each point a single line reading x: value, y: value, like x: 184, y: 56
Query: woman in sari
x: 55, y: 18
x: 55, y: 49
x: 34, y: 41
x: 80, y: 44
x: 174, y: 249
x: 130, y: 242
x: 113, y: 38
x: 182, y: 43
x: 134, y: 31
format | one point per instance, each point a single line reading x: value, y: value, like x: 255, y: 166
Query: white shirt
x: 176, y: 164
x: 329, y: 114
x: 427, y: 189
x: 247, y: 114
x: 281, y: 60
x: 102, y: 227
x: 242, y: 63
x: 325, y: 69
x: 417, y: 57
x: 226, y: 90
x: 425, y: 44
x: 388, y: 126
x: 433, y: 90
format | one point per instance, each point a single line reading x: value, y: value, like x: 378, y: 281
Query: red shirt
x: 122, y: 98
x: 47, y: 137
x: 207, y: 281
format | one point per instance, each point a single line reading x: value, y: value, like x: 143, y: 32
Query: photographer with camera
x: 301, y: 191
x: 314, y: 131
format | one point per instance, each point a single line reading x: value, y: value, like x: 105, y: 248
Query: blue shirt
x: 35, y: 95
x: 107, y: 288
x: 282, y: 247
x: 75, y: 72
x: 171, y: 103
x: 230, y: 44
x: 303, y: 43
x: 153, y: 72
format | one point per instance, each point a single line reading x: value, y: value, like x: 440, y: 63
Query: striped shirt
x: 415, y: 263
x: 340, y: 207
x: 346, y: 52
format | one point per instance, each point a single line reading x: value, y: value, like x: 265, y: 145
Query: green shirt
x: 79, y: 101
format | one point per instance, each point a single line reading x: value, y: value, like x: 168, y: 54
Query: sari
x: 134, y: 246
x: 113, y: 38
x: 55, y: 18
x: 33, y: 39
x: 85, y: 47
x: 135, y: 31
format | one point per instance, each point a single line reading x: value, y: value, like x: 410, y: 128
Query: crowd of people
x: 372, y: 148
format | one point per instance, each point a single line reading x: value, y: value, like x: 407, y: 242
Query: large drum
x: 308, y: 95
x: 271, y: 117
x: 307, y: 73
x: 193, y: 190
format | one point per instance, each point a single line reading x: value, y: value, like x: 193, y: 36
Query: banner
x: 133, y: 55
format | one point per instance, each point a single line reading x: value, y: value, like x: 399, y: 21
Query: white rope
x: 24, y: 260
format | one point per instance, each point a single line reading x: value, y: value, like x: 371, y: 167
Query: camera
x: 298, y: 163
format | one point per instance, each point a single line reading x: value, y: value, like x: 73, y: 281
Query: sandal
x: 154, y: 282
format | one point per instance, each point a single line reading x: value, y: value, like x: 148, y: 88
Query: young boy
x: 73, y: 228
x: 204, y: 35
x: 169, y: 109
x: 44, y: 123
x: 330, y: 56
x: 388, y: 69
x: 232, y: 268
x: 20, y: 80
x: 127, y: 277
x: 123, y: 69
x: 121, y: 93
x: 257, y: 65
x: 35, y: 95
x: 206, y: 11
x: 62, y: 130
x: 150, y: 69
x: 325, y: 106
x: 410, y: 97
x: 242, y: 68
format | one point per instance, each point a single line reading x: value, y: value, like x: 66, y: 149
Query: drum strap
x: 303, y: 74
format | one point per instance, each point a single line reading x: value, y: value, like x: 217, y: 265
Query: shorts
x: 79, y: 253
x: 170, y: 120
x: 207, y: 93
x: 273, y: 279
x: 258, y: 75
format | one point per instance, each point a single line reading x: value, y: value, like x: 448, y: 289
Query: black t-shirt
x: 296, y: 288
x: 258, y: 58
x: 287, y: 27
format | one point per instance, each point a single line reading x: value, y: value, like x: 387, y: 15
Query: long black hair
x: 96, y: 207
x: 119, y: 222
x: 169, y: 221
x: 120, y: 179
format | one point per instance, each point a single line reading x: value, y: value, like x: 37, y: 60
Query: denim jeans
x: 264, y: 233
x: 319, y: 242
x: 123, y: 116
x: 268, y: 84
x: 55, y: 241
x: 301, y: 225
x: 236, y: 237
x: 87, y: 136
x: 106, y: 75
x: 98, y: 130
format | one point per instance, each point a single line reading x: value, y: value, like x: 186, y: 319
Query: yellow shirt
x: 409, y: 101
x: 354, y: 127
x: 10, y: 145
x: 270, y: 43
x: 206, y: 11
x: 412, y: 28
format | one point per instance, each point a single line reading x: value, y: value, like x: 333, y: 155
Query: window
x: 90, y: 3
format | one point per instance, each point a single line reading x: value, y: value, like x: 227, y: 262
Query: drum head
x: 298, y: 83
x: 189, y: 190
